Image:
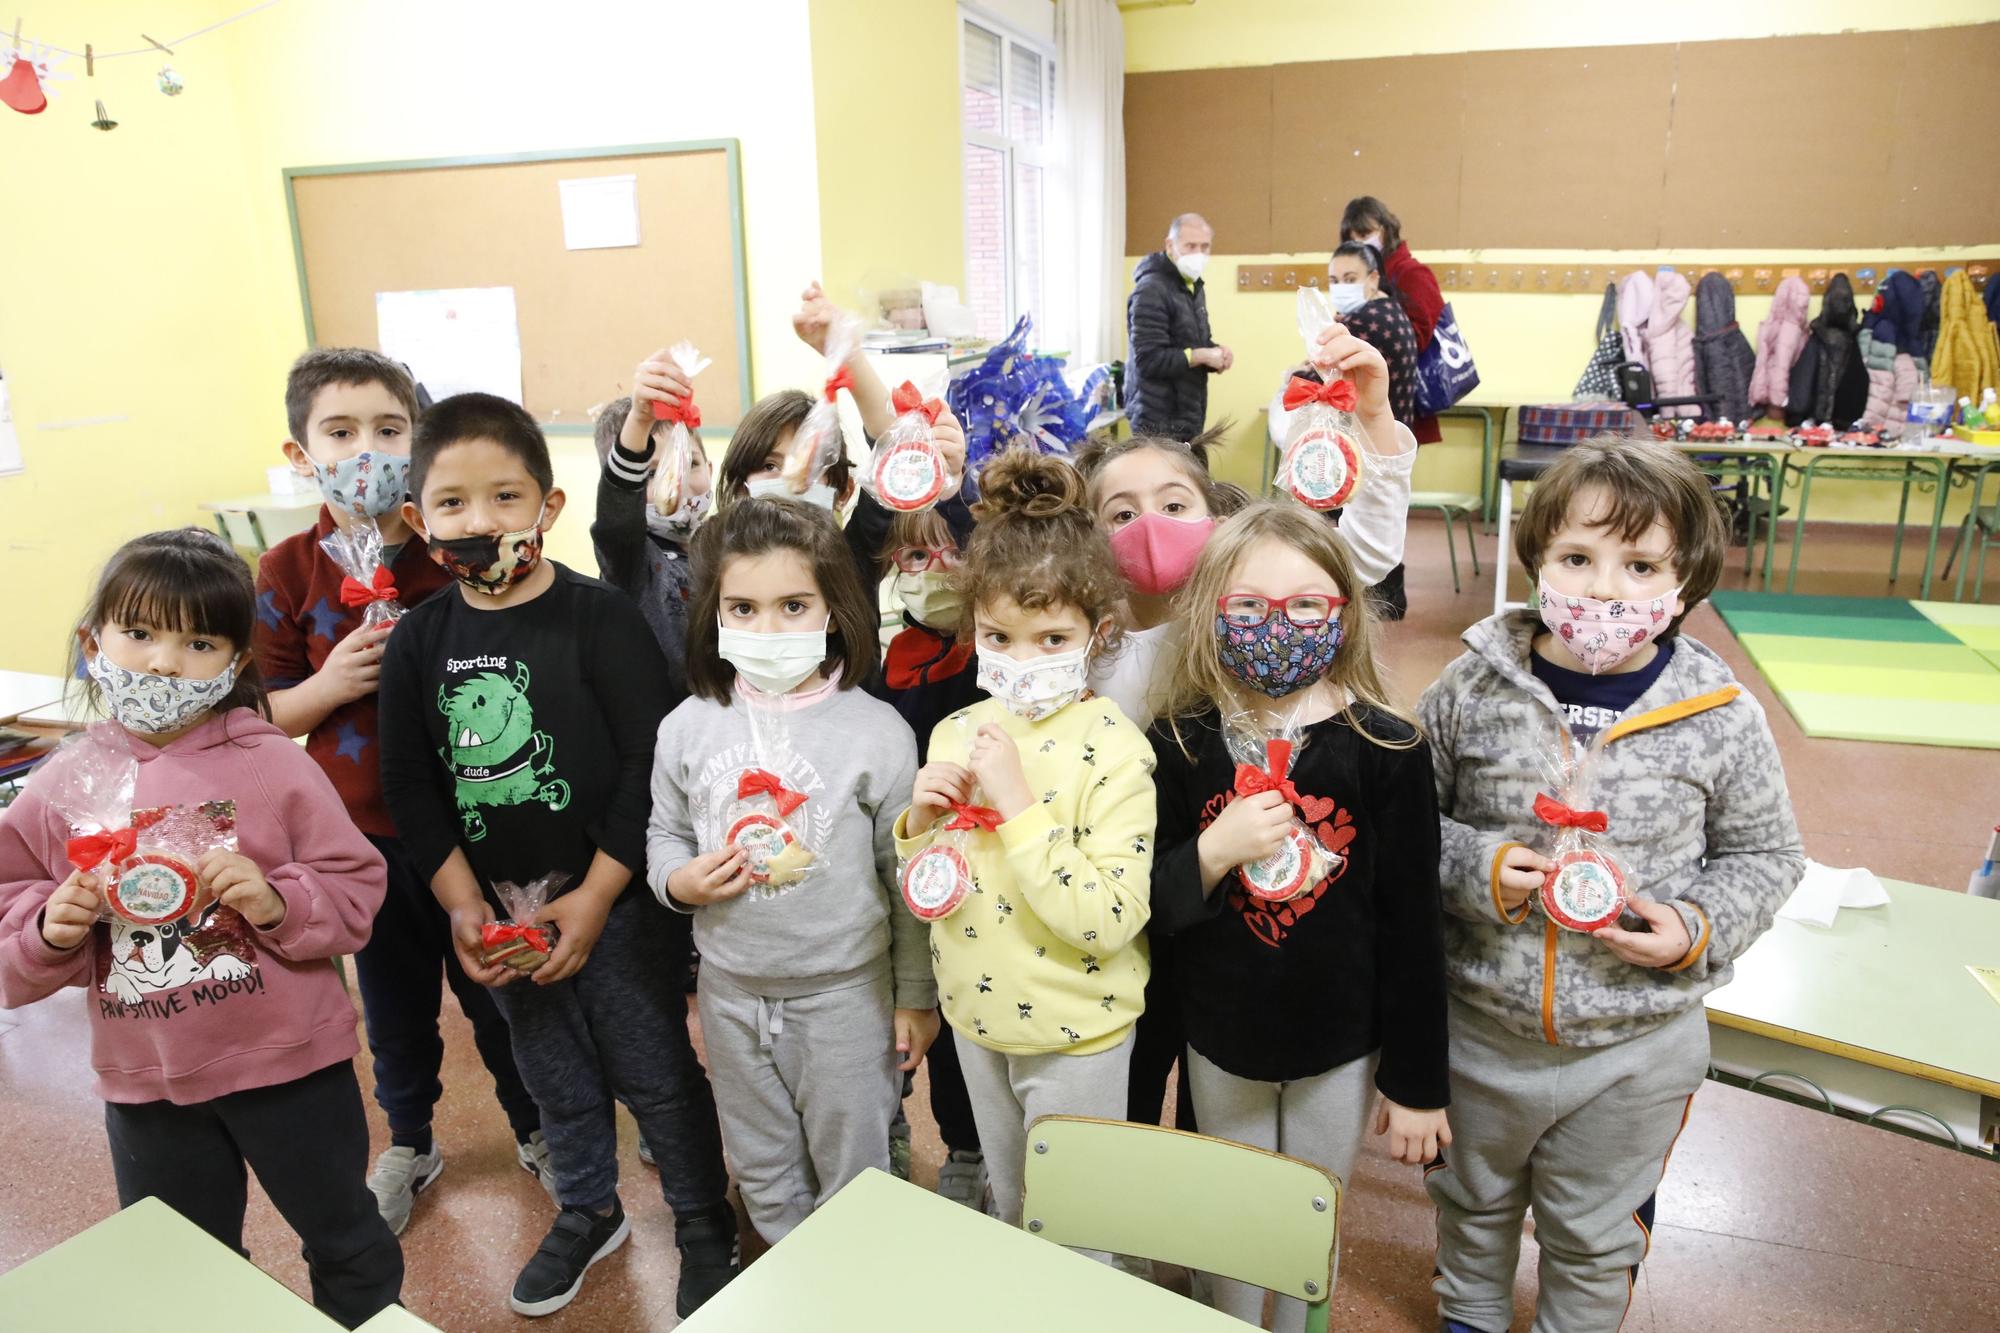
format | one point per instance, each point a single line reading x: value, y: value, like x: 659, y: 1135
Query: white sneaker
x: 534, y: 1159
x: 962, y: 1179
x: 399, y: 1175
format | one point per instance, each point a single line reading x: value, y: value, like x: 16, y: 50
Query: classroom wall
x: 162, y: 289
x: 1527, y: 347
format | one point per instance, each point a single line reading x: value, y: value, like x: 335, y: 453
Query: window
x: 1007, y: 102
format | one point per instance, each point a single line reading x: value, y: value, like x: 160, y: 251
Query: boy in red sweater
x: 350, y: 413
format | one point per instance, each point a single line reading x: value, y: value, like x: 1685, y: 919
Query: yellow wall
x: 1528, y: 347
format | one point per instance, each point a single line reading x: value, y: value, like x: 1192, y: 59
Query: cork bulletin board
x: 585, y: 316
x: 1871, y: 140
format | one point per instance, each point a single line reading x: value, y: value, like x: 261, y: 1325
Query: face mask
x: 1277, y: 658
x: 1191, y: 265
x: 772, y: 662
x: 1033, y: 689
x: 156, y: 704
x: 931, y: 600
x: 777, y: 488
x: 1156, y: 552
x: 491, y: 564
x: 368, y: 485
x: 1603, y: 634
x: 1374, y: 238
x: 678, y: 526
x: 1346, y: 296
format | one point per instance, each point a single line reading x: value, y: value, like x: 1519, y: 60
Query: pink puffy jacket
x: 1780, y: 339
x: 1670, y: 340
x: 1635, y: 303
x: 1889, y: 391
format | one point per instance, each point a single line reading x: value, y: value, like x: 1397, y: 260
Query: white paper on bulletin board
x: 455, y: 340
x: 10, y: 443
x: 600, y: 212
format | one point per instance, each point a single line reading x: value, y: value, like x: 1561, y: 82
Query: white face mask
x: 931, y: 600
x: 1373, y: 238
x: 777, y: 488
x: 1191, y: 265
x: 1037, y: 687
x: 1346, y: 296
x: 774, y: 663
x: 152, y: 704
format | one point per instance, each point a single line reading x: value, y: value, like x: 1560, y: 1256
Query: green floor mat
x: 1959, y: 613
x: 1799, y: 603
x: 1905, y: 721
x: 1913, y: 630
x: 1770, y: 649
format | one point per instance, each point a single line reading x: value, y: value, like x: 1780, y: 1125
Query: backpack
x: 1600, y: 373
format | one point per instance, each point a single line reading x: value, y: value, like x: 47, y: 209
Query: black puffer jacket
x: 1723, y: 357
x: 1164, y: 395
x: 1829, y: 382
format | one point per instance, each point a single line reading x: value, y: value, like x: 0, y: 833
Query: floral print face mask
x: 1602, y: 634
x: 1277, y: 658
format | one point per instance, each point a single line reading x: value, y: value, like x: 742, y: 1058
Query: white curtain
x: 1086, y: 292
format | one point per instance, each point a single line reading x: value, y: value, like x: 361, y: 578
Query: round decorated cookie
x: 1285, y: 873
x: 1585, y: 891
x: 909, y: 476
x: 935, y: 882
x: 763, y: 839
x: 154, y: 887
x: 1323, y: 467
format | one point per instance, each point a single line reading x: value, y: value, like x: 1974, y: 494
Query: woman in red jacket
x: 1368, y: 219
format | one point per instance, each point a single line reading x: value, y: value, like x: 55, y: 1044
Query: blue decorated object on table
x: 1015, y: 398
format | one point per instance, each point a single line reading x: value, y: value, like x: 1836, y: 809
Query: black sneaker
x: 578, y: 1239
x: 709, y: 1256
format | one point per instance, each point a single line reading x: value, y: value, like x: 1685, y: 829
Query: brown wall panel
x: 1199, y: 141
x: 1942, y: 188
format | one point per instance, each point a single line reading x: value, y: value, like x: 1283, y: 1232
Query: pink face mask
x: 1156, y: 553
x: 1603, y: 634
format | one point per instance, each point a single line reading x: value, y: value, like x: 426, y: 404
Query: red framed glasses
x: 918, y: 559
x: 1306, y: 610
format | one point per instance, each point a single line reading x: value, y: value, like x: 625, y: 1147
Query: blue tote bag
x: 1445, y: 373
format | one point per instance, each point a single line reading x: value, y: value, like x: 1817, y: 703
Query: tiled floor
x: 1771, y: 1216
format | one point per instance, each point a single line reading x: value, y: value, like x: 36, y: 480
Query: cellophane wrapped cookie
x: 1323, y: 461
x: 937, y: 880
x: 760, y: 819
x: 1264, y: 752
x: 520, y: 941
x: 669, y: 488
x: 906, y: 470
x: 1587, y: 888
x: 357, y: 551
x: 820, y: 441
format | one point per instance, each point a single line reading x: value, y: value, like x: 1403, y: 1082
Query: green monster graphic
x: 494, y: 749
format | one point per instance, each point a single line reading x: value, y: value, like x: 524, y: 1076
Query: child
x: 1293, y: 1009
x: 1043, y: 968
x: 225, y: 1038
x: 1573, y: 1058
x: 350, y: 412
x: 814, y: 979
x: 517, y: 719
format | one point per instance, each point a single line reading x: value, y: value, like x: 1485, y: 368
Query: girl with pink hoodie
x: 221, y: 1038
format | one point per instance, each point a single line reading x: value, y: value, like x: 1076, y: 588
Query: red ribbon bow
x: 908, y: 398
x: 1299, y: 391
x: 353, y: 592
x: 974, y: 816
x: 93, y: 849
x: 842, y: 379
x: 683, y: 413
x: 494, y: 934
x: 1250, y: 779
x: 759, y: 782
x: 1557, y: 815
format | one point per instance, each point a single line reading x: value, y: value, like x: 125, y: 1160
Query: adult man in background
x: 1170, y: 351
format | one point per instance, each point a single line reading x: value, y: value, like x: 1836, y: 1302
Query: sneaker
x: 962, y: 1179
x: 646, y: 1152
x: 400, y: 1174
x: 534, y: 1159
x: 578, y: 1239
x: 899, y: 1146
x: 709, y: 1256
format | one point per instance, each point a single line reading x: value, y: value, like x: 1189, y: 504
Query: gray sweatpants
x: 1319, y: 1120
x: 1010, y: 1091
x: 806, y: 1087
x: 1580, y: 1134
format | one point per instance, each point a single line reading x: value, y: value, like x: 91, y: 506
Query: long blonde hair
x: 1197, y: 679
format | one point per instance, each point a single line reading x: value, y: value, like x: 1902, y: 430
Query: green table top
x: 1884, y: 986
x: 149, y: 1268
x: 884, y: 1256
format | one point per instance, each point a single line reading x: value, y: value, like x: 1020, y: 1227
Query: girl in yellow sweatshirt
x: 1048, y: 795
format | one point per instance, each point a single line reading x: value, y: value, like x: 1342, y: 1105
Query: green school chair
x: 1186, y: 1199
x: 1448, y: 504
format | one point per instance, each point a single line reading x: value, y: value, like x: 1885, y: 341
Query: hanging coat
x: 1635, y: 303
x: 1723, y: 359
x: 1967, y: 356
x: 1780, y: 339
x: 1829, y: 383
x: 1670, y: 342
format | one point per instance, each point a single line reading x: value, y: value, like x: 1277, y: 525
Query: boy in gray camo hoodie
x: 1575, y: 1055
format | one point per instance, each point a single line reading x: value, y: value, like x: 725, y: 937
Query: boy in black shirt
x: 518, y: 719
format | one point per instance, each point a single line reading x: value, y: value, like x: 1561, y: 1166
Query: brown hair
x: 1647, y: 482
x: 1363, y: 214
x: 758, y: 434
x: 925, y: 527
x: 1196, y: 677
x: 611, y: 424
x: 342, y: 365
x: 184, y: 581
x: 1038, y: 545
x: 758, y: 527
x: 1190, y: 456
